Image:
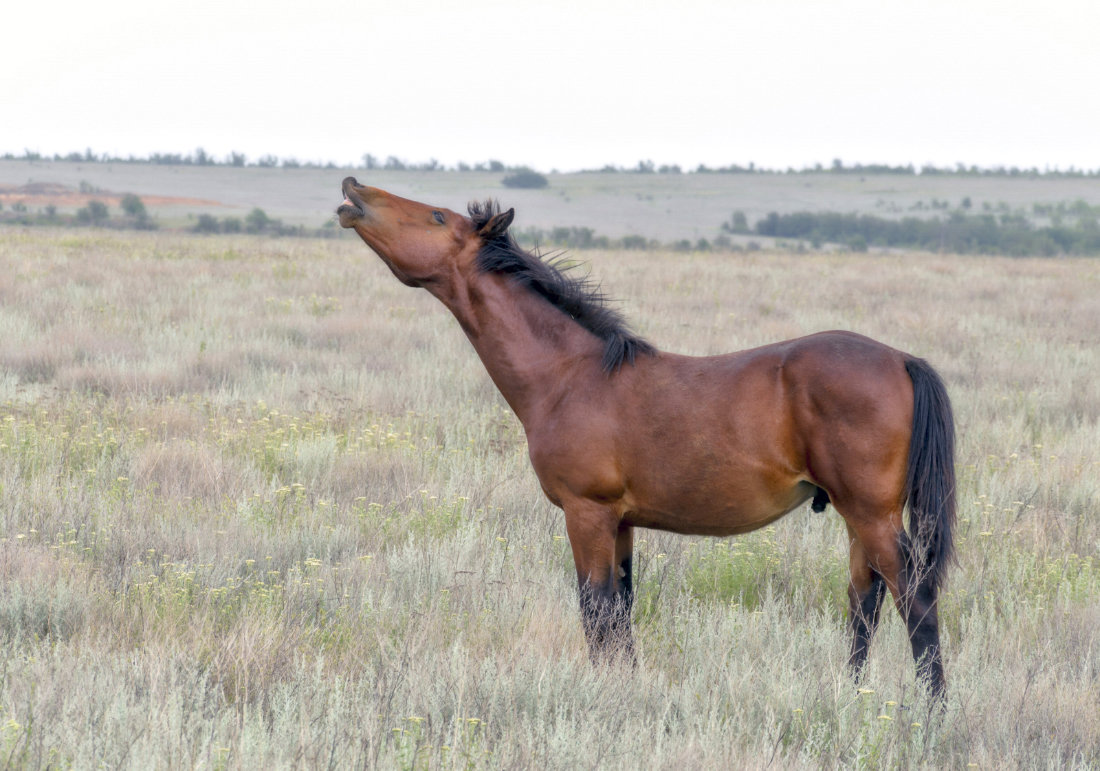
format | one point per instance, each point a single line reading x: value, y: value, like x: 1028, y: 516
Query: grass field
x: 261, y: 507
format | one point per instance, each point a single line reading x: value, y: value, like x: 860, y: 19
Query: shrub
x: 525, y: 178
x: 574, y: 237
x: 257, y: 221
x: 95, y: 213
x: 738, y: 223
x: 207, y: 224
x: 132, y: 206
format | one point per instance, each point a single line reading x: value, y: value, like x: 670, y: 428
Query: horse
x: 623, y: 435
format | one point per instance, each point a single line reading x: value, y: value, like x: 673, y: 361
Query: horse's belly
x: 722, y: 515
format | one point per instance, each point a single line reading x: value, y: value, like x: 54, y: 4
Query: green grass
x: 261, y: 507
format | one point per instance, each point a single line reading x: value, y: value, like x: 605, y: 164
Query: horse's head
x: 421, y: 244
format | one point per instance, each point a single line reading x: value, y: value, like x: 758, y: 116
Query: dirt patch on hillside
x: 52, y: 193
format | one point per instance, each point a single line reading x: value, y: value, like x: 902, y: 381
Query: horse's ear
x: 497, y: 224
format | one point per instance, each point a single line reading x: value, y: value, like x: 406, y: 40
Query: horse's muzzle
x: 352, y: 209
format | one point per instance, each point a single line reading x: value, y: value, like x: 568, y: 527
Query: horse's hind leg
x: 602, y: 553
x: 887, y: 549
x: 866, y: 590
x: 921, y: 611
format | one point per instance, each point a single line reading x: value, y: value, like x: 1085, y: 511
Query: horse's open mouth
x: 352, y: 208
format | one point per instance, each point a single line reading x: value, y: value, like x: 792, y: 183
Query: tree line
x: 959, y: 232
x: 132, y: 215
x: 370, y: 162
x: 96, y: 213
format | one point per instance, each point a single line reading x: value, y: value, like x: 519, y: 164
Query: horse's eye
x: 438, y: 215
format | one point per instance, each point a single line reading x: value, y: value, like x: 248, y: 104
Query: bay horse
x: 622, y: 435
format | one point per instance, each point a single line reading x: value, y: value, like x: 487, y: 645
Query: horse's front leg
x: 624, y: 562
x: 602, y: 553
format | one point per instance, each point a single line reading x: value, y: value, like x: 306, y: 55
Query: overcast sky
x: 559, y: 85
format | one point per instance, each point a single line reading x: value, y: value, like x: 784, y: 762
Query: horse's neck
x: 530, y: 348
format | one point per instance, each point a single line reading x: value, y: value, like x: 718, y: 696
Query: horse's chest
x: 580, y: 468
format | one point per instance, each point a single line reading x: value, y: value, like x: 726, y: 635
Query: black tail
x: 930, y: 479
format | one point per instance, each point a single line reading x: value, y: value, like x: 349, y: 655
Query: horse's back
x: 834, y: 375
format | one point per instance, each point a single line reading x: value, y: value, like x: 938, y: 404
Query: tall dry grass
x: 261, y: 507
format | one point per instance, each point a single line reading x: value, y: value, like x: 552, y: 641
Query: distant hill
x: 665, y: 207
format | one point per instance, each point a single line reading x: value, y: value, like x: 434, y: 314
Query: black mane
x: 575, y: 296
